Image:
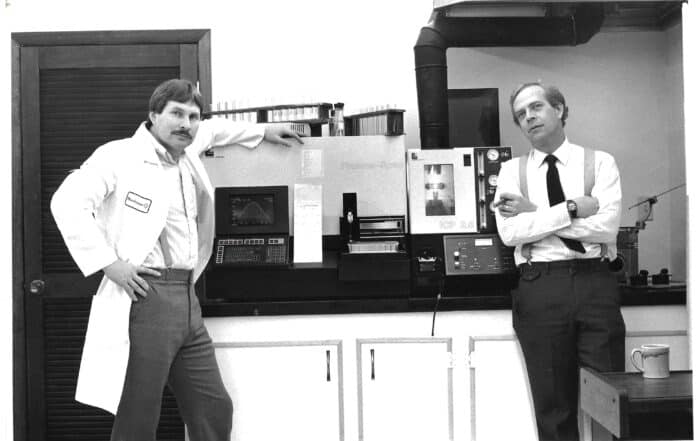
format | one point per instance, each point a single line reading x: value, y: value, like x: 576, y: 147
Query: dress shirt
x: 181, y: 224
x: 543, y: 228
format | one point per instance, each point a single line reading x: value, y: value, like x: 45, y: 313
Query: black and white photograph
x: 317, y: 220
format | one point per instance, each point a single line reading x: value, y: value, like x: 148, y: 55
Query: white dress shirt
x: 181, y: 224
x: 544, y: 227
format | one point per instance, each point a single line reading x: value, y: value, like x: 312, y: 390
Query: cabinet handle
x: 328, y: 365
x: 371, y: 357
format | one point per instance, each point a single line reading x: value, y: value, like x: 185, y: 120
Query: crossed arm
x: 522, y: 221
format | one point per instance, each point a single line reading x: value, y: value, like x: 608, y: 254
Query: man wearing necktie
x: 566, y: 308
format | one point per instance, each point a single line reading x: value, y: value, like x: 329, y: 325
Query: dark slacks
x: 169, y: 344
x: 566, y: 315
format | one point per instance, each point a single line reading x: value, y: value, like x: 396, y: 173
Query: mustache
x: 183, y: 133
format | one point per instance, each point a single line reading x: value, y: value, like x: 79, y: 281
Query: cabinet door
x: 405, y: 389
x: 499, y: 393
x: 289, y: 391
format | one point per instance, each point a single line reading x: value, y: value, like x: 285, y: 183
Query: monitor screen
x: 252, y: 209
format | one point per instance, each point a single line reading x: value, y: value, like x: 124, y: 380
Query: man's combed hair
x: 181, y: 91
x: 553, y: 96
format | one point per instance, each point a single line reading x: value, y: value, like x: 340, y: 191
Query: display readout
x: 252, y: 209
x: 483, y: 242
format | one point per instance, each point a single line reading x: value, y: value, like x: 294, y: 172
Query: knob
x: 37, y: 286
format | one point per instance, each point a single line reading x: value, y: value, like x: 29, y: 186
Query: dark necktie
x: 556, y: 196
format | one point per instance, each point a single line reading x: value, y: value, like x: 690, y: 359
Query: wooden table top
x: 610, y: 397
x: 640, y: 391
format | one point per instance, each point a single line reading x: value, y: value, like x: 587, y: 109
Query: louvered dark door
x: 73, y: 99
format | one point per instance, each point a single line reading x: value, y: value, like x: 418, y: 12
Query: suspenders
x: 588, y: 182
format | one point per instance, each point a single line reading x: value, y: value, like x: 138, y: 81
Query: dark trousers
x: 169, y: 344
x: 566, y: 315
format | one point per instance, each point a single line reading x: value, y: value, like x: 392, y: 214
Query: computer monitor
x: 252, y: 210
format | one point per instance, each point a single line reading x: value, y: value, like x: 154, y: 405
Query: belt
x: 171, y: 274
x: 594, y: 264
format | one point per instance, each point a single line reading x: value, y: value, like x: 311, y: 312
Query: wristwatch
x: 572, y: 208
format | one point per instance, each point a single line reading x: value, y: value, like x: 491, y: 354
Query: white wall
x: 676, y: 202
x: 691, y: 71
x: 624, y: 91
x: 358, y: 52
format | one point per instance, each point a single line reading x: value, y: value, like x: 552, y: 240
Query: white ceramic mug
x: 653, y: 360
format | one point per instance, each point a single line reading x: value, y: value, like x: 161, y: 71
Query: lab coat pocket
x: 106, y: 351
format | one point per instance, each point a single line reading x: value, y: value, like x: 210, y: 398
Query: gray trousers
x: 170, y: 345
x: 566, y: 315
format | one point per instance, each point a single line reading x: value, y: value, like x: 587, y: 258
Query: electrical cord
x: 437, y: 303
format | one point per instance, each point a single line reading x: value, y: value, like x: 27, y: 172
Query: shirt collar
x: 563, y: 153
x: 160, y: 151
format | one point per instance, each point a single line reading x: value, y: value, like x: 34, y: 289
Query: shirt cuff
x: 561, y: 217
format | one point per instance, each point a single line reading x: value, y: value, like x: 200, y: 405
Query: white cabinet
x: 405, y: 389
x: 290, y: 391
x: 289, y: 378
x: 501, y: 406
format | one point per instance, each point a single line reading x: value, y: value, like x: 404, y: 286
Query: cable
x: 437, y: 303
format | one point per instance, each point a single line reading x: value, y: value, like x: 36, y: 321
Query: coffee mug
x: 653, y: 360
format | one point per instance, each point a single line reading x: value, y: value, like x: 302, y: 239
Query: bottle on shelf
x: 331, y: 124
x: 339, y: 120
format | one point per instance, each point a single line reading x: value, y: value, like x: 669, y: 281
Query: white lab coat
x: 115, y: 207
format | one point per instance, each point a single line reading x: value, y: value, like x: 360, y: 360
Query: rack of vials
x: 310, y: 117
x: 313, y: 115
x: 386, y: 121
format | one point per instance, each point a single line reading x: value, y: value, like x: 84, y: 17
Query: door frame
x: 200, y: 37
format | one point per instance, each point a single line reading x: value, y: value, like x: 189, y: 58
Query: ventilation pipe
x: 576, y: 27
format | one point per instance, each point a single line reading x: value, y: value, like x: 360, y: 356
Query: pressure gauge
x: 492, y: 154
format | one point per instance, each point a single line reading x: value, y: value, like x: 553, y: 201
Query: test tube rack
x: 388, y: 122
x: 313, y: 114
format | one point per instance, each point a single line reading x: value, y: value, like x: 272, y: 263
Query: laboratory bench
x: 315, y: 288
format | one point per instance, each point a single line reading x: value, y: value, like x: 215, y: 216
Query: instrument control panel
x: 252, y: 250
x: 477, y: 254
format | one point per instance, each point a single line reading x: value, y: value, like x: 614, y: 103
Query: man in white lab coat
x: 141, y: 210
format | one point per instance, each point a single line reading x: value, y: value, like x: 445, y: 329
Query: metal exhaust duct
x: 576, y: 26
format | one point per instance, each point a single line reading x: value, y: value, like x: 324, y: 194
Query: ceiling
x: 619, y: 15
x: 647, y: 15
